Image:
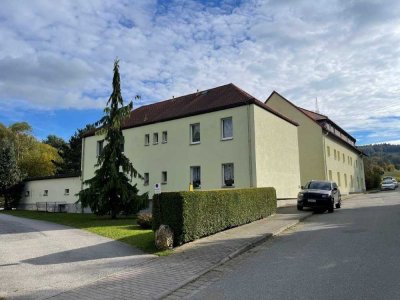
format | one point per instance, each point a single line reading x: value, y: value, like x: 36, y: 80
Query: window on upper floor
x: 345, y: 180
x: 146, y: 179
x: 100, y: 147
x: 164, y: 137
x: 27, y: 194
x: 195, y: 133
x: 45, y: 192
x: 147, y: 139
x: 195, y: 176
x: 344, y: 158
x: 338, y: 179
x: 155, y: 138
x: 334, y: 154
x: 66, y: 192
x: 226, y: 129
x: 164, y: 177
x: 228, y: 178
x: 328, y: 151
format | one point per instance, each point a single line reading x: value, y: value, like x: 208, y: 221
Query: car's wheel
x: 299, y: 207
x: 339, y: 204
x: 331, y: 207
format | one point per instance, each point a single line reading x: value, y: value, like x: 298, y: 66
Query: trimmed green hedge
x: 192, y: 215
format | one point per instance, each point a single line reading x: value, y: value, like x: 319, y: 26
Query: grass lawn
x: 123, y: 229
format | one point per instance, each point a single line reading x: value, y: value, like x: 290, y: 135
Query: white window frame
x: 66, y: 192
x: 146, y: 178
x: 164, y: 137
x: 155, y: 138
x: 191, y: 134
x: 191, y: 177
x: 223, y: 175
x: 45, y: 193
x: 147, y: 139
x: 99, y: 147
x: 164, y: 177
x: 222, y: 129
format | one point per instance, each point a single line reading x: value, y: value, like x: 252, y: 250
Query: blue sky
x: 56, y: 57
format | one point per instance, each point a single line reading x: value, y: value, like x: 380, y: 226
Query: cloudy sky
x: 56, y: 57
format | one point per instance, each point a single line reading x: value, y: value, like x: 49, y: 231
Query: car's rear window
x: 388, y: 181
x: 316, y: 185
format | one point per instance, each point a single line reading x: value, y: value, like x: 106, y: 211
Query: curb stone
x: 236, y: 253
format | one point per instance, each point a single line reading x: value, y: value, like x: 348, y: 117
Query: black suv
x: 319, y: 195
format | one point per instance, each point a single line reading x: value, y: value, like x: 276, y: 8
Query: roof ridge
x: 243, y: 91
x: 186, y: 95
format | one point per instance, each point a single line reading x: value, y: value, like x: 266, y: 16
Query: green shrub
x: 193, y: 215
x: 145, y: 220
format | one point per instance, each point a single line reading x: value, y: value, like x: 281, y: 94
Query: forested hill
x: 387, y: 153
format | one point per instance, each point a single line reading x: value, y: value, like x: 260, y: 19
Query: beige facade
x: 276, y: 154
x: 263, y: 151
x: 50, y: 193
x: 326, y: 152
x: 344, y: 166
x: 310, y: 140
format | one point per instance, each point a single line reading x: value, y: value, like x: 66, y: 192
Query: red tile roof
x: 313, y: 115
x: 218, y: 98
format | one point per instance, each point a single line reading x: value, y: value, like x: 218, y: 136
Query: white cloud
x: 346, y: 53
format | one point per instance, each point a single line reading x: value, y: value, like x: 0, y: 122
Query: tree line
x: 23, y: 156
x: 380, y: 158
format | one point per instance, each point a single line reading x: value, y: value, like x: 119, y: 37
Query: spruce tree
x: 110, y: 190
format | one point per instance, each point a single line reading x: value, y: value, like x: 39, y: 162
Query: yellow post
x: 190, y: 187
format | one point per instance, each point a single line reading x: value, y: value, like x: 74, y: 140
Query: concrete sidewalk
x: 160, y: 277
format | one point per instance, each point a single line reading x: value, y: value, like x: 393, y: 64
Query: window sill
x: 146, y: 145
x: 164, y: 142
x: 163, y: 183
x: 194, y: 143
x: 155, y: 143
x: 228, y: 186
x: 66, y: 194
x: 227, y: 139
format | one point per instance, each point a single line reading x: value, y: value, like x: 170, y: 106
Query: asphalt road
x: 40, y: 259
x: 353, y: 253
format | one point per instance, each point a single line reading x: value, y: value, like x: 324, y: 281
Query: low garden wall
x: 192, y: 215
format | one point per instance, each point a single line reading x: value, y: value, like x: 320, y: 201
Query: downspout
x: 249, y: 146
x: 324, y: 154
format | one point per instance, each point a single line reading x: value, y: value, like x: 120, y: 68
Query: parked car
x: 388, y: 184
x: 395, y: 183
x: 319, y: 194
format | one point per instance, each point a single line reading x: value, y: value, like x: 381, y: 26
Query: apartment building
x: 215, y: 139
x: 326, y: 151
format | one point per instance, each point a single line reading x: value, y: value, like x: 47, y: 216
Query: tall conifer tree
x: 110, y: 190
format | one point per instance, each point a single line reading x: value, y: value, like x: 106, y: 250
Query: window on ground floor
x: 228, y: 178
x: 164, y: 177
x: 330, y: 174
x: 146, y: 179
x: 195, y: 176
x: 338, y: 179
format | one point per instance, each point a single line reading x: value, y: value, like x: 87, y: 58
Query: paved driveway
x: 40, y: 259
